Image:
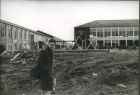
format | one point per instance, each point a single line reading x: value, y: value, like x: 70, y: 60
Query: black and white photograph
x: 69, y: 47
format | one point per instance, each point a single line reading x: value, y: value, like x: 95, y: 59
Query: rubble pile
x: 16, y: 71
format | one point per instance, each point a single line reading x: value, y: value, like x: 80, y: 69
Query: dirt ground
x: 92, y: 73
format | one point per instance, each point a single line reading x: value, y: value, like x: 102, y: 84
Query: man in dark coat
x: 44, y: 69
x: 45, y: 63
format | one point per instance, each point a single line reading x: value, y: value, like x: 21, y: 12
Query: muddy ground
x: 84, y: 73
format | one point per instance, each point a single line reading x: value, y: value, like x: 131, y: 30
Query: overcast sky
x: 59, y: 17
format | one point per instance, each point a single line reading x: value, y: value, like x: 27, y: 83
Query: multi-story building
x: 15, y: 37
x: 108, y: 34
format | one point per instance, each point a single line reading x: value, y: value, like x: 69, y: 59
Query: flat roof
x: 43, y: 33
x: 16, y: 25
x: 110, y: 23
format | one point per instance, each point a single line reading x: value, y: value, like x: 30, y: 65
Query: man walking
x: 44, y: 69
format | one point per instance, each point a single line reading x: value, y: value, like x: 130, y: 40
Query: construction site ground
x: 76, y: 72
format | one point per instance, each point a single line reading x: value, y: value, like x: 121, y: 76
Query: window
x: 15, y: 32
x: 11, y: 47
x: 114, y: 41
x: 136, y: 31
x: 2, y: 29
x: 94, y: 33
x: 93, y: 30
x: 114, y: 31
x: 25, y: 34
x: 129, y: 31
x: 121, y: 31
x: 8, y: 29
x: 107, y: 31
x: 10, y: 32
x: 99, y: 32
x: 8, y: 47
x: 16, y: 46
x: 107, y: 34
x: 21, y: 33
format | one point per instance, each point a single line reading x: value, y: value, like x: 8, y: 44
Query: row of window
x: 18, y: 46
x: 122, y: 31
x: 13, y: 32
x: 118, y: 44
x: 2, y: 30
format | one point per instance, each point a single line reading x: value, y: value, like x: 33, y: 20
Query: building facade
x: 15, y: 37
x: 103, y: 34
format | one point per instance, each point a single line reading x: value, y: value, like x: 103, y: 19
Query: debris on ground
x: 122, y: 85
x: 87, y: 73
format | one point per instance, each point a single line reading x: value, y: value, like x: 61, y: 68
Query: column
x: 7, y: 31
x: 63, y: 44
x: 133, y: 36
x: 103, y: 38
x: 126, y: 43
x: 118, y: 37
x: 60, y: 45
x: 111, y: 36
x: 12, y: 33
x: 82, y: 44
x: 96, y: 39
x: 126, y: 37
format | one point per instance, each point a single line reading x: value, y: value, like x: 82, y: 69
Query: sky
x: 59, y: 18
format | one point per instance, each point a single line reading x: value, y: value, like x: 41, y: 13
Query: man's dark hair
x: 2, y: 48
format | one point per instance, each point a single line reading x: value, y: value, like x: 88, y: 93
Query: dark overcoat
x: 45, y: 63
x: 44, y: 68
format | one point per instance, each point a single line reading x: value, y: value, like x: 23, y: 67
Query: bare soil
x: 87, y: 73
